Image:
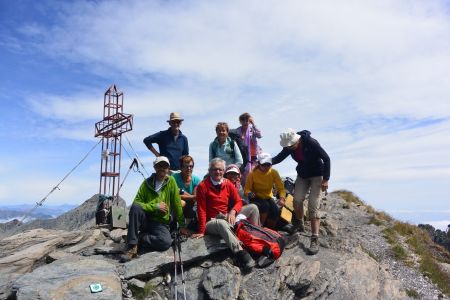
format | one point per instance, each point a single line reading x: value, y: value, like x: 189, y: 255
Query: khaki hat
x: 288, y: 138
x: 161, y: 159
x: 175, y: 116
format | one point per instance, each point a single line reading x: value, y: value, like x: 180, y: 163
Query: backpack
x: 242, y: 148
x: 260, y: 240
x: 103, y: 211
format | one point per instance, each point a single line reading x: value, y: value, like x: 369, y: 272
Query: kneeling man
x: 218, y: 204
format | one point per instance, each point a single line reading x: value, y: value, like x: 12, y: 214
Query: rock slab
x: 70, y: 278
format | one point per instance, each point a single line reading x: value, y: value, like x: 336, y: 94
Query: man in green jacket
x: 149, y: 219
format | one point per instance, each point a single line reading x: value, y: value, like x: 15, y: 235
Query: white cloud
x: 370, y: 79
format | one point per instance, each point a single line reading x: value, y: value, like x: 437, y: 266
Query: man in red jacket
x: 218, y: 204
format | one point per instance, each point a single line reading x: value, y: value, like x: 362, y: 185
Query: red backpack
x: 260, y: 240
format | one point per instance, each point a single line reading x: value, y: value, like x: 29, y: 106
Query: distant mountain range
x: 17, y: 211
x: 70, y: 217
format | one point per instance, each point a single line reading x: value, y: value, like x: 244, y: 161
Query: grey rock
x: 118, y: 235
x: 193, y: 250
x: 23, y: 251
x: 330, y: 226
x: 136, y: 283
x: 298, y: 278
x: 70, y: 278
x: 222, y: 281
x: 91, y: 240
x: 57, y: 254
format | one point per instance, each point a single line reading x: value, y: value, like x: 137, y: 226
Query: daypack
x: 260, y: 240
x: 103, y: 211
x: 242, y: 148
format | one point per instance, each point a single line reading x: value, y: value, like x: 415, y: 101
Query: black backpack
x: 242, y: 148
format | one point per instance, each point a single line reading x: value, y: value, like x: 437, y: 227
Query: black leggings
x: 267, y: 206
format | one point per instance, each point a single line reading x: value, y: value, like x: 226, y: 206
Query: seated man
x: 149, y: 218
x: 218, y: 204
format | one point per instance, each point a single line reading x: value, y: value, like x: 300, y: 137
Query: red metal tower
x: 114, y: 123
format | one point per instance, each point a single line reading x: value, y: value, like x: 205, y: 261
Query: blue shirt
x: 194, y: 182
x: 168, y: 147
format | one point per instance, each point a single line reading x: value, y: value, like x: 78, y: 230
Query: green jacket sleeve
x: 176, y: 201
x: 142, y: 199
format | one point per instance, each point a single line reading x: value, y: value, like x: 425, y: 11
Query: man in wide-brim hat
x: 172, y: 142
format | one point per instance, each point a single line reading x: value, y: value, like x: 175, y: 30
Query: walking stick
x: 176, y: 246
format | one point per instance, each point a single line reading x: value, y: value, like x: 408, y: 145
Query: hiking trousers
x: 314, y: 186
x: 149, y: 234
x: 222, y: 228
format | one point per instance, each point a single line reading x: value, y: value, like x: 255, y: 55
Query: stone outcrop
x: 70, y: 278
x: 57, y: 264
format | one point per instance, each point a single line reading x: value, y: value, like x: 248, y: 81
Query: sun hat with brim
x: 288, y: 138
x: 175, y: 117
x: 264, y: 158
x: 160, y: 159
x: 232, y: 169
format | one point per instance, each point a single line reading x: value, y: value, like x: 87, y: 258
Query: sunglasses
x: 188, y: 166
x: 162, y: 166
x: 175, y: 122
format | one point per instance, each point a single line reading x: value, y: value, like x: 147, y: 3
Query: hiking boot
x: 245, y: 260
x: 289, y: 228
x: 131, y: 253
x: 299, y: 225
x: 314, y: 247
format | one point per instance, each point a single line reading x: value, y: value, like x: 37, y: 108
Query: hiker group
x: 235, y: 200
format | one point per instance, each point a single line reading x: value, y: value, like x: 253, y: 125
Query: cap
x: 232, y: 168
x: 175, y: 116
x: 265, y: 158
x: 288, y: 138
x: 161, y: 159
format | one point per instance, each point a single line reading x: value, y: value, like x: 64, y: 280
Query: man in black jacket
x: 313, y: 173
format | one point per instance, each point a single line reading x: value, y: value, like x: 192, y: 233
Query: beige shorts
x: 314, y: 186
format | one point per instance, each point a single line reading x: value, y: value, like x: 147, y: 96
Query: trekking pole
x: 175, y: 266
x: 134, y: 163
x: 176, y: 246
x: 183, y: 281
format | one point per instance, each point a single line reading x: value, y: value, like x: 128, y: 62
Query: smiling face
x: 264, y: 167
x: 175, y: 126
x: 222, y: 132
x: 216, y: 170
x: 233, y: 176
x: 162, y: 170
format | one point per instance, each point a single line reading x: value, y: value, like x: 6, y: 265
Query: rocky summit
x: 355, y: 261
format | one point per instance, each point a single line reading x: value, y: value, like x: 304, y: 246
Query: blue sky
x: 369, y: 79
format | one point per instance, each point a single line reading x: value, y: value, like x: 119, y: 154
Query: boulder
x: 70, y: 278
x: 222, y: 281
x: 193, y: 250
